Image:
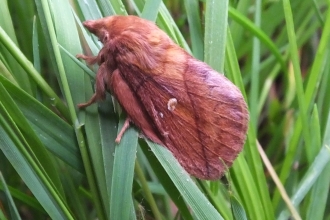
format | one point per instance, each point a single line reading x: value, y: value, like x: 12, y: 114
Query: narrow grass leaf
x: 150, y: 9
x: 32, y: 143
x: 252, y: 155
x: 117, y: 5
x: 90, y: 10
x: 310, y: 177
x: 6, y: 25
x: 198, y: 203
x: 25, y: 199
x: 27, y: 172
x: 216, y: 20
x: 121, y: 204
x: 317, y: 69
x: 166, y: 182
x: 56, y: 134
x: 12, y: 207
x: 296, y: 69
x: 195, y: 28
x: 28, y: 67
x: 237, y: 209
x: 79, y: 63
x: 261, y: 35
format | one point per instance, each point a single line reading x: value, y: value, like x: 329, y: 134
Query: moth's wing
x: 207, y: 128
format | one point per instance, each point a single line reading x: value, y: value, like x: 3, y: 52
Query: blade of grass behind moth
x: 76, y: 201
x: 239, y: 39
x: 12, y: 207
x: 244, y: 184
x: 318, y: 199
x: 107, y: 122
x: 26, y: 199
x: 57, y: 135
x: 167, y: 20
x: 303, y: 114
x: 80, y: 64
x: 320, y: 164
x: 6, y: 73
x: 255, y: 71
x: 321, y: 58
x: 33, y: 144
x: 30, y: 178
x: 90, y: 10
x: 62, y: 30
x: 195, y: 199
x: 217, y: 198
x: 118, y: 6
x: 73, y: 80
x: 166, y: 181
x: 95, y: 147
x: 148, y: 195
x: 35, y: 46
x: 7, y: 24
x: 247, y: 24
x: 121, y: 204
x: 195, y: 28
x: 323, y: 102
x: 13, y: 145
x: 216, y: 15
x: 237, y: 209
x: 150, y: 9
x: 320, y: 61
x: 108, y: 128
x: 308, y: 97
x: 28, y: 67
x: 255, y: 164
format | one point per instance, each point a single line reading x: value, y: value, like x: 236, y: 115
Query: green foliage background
x: 62, y: 163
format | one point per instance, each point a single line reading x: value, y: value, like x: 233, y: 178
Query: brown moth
x: 176, y: 100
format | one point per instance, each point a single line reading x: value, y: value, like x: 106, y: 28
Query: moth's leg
x: 99, y: 94
x: 123, y: 129
x: 89, y: 59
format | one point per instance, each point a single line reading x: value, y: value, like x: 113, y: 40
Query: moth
x: 175, y: 100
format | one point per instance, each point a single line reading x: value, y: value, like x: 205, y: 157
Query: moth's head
x: 100, y: 28
x: 108, y: 27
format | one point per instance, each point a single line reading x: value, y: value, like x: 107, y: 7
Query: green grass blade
x: 6, y: 25
x: 12, y: 207
x: 262, y: 36
x: 24, y: 165
x: 150, y: 9
x: 255, y: 72
x: 237, y: 209
x: 216, y: 16
x: 122, y: 176
x: 28, y: 67
x: 313, y: 173
x: 252, y: 154
x: 297, y: 72
x: 56, y: 134
x: 199, y: 205
x: 195, y: 28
